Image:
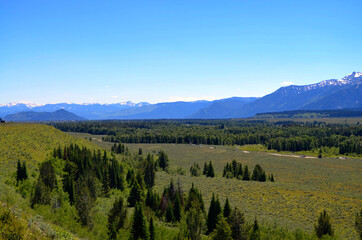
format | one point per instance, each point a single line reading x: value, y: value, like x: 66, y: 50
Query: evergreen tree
x: 272, y: 178
x: 116, y: 218
x: 177, y: 208
x: 163, y: 160
x: 105, y: 184
x: 246, y: 175
x: 358, y: 224
x: 150, y: 172
x: 84, y: 200
x: 257, y: 173
x: 194, y: 196
x: 18, y: 171
x: 138, y: 229
x: 255, y: 234
x: 140, y: 151
x: 210, y: 171
x: 21, y: 172
x: 45, y: 184
x: 152, y: 229
x: 222, y: 231
x: 130, y: 176
x: 227, y: 209
x: 237, y: 225
x: 24, y: 171
x: 193, y: 222
x: 135, y: 194
x: 324, y: 226
x: 170, y: 217
x: 204, y: 171
x: 214, y: 211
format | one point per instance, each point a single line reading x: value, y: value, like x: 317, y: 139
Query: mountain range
x: 30, y: 116
x: 345, y: 93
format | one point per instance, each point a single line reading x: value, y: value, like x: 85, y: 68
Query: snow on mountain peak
x: 28, y: 104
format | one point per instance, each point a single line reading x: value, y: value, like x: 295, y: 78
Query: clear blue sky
x: 155, y: 51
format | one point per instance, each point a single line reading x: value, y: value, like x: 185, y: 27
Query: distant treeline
x: 280, y: 136
x: 311, y: 114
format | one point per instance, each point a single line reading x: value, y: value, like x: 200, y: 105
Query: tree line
x: 280, y: 136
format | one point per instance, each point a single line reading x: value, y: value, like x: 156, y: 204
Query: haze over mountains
x: 59, y: 115
x: 345, y: 93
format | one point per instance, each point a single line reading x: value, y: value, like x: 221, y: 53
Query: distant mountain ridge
x: 345, y: 93
x: 59, y: 115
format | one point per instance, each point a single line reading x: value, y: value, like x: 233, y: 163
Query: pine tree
x: 84, y: 200
x: 170, y: 217
x: 214, y: 211
x: 237, y: 225
x: 255, y: 234
x: 105, y: 184
x: 24, y: 171
x: 135, y: 194
x: 116, y: 217
x: 324, y: 226
x: 152, y: 229
x: 140, y: 151
x: 227, y: 209
x: 18, y: 171
x: 210, y: 171
x: 163, y: 160
x: 204, y: 171
x: 45, y: 184
x: 257, y: 173
x: 246, y: 175
x: 193, y: 222
x: 150, y: 172
x: 138, y: 229
x: 222, y: 231
x: 177, y: 208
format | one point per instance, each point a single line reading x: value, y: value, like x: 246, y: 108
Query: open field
x: 303, y: 187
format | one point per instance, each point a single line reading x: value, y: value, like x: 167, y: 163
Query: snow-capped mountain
x: 85, y: 110
x: 325, y: 95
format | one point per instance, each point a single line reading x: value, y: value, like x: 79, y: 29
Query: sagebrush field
x: 303, y: 187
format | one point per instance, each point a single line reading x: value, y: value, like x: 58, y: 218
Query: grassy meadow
x: 303, y: 187
x: 30, y: 143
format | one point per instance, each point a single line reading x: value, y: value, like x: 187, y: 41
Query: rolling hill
x: 59, y: 115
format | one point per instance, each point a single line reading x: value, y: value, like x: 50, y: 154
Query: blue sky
x: 156, y: 51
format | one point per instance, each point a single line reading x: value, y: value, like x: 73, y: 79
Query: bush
x: 10, y: 227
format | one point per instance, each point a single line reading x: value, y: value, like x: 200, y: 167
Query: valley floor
x: 303, y: 186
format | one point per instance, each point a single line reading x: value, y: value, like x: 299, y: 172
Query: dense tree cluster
x: 280, y: 136
x: 236, y: 170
